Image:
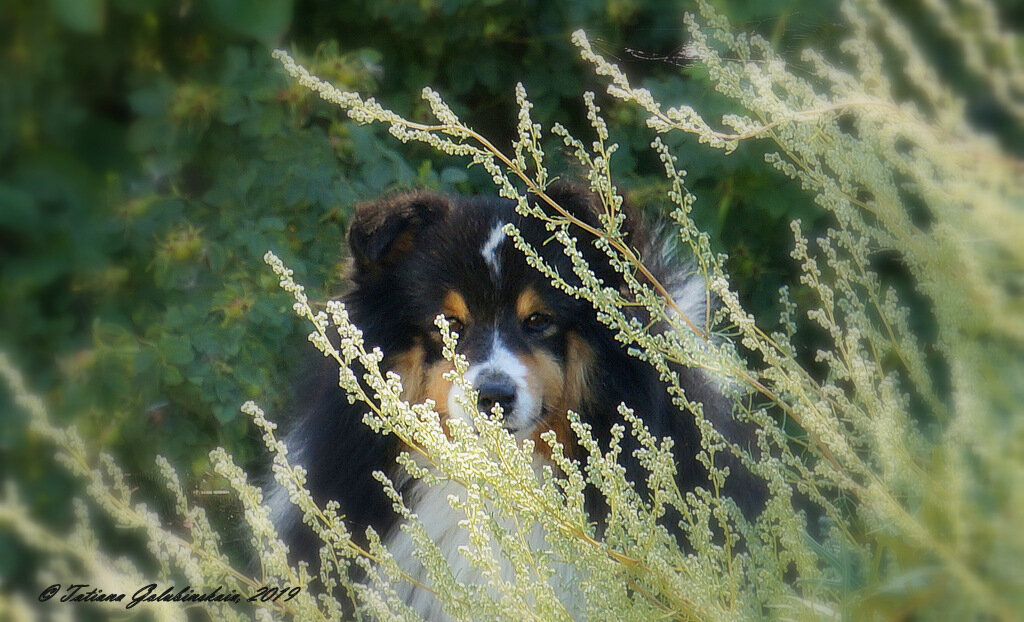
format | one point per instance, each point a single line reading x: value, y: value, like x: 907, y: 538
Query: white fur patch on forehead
x: 490, y: 249
x: 502, y: 359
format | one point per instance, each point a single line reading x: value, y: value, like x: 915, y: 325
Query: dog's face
x: 529, y: 346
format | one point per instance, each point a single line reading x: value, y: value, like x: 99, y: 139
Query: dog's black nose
x: 496, y: 389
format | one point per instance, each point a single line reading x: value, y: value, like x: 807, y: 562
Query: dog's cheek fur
x: 411, y: 367
x: 422, y: 380
x: 565, y: 387
x: 437, y: 388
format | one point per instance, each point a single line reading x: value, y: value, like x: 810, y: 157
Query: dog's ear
x: 576, y: 199
x: 384, y: 231
x: 579, y: 201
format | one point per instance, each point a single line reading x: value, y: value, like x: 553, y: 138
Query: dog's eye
x: 454, y: 323
x: 538, y: 322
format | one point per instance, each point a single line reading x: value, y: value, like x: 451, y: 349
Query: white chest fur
x: 441, y: 523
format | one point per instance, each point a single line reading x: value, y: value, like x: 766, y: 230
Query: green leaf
x: 86, y: 16
x: 264, y: 21
x: 172, y: 376
x: 177, y: 349
x: 225, y: 413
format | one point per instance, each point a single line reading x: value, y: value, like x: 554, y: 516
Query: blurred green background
x: 151, y: 151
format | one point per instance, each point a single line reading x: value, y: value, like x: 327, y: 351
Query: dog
x: 531, y: 348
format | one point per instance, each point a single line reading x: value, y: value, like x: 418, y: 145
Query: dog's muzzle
x: 495, y: 388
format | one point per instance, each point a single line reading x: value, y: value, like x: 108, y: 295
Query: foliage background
x: 151, y: 151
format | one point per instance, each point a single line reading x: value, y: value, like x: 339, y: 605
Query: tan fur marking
x: 557, y: 422
x: 546, y: 377
x: 565, y: 388
x: 579, y: 367
x: 403, y: 244
x: 409, y: 365
x: 421, y: 381
x: 436, y: 388
x: 454, y: 304
x: 528, y: 303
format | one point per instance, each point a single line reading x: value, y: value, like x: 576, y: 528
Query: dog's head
x: 530, y: 347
